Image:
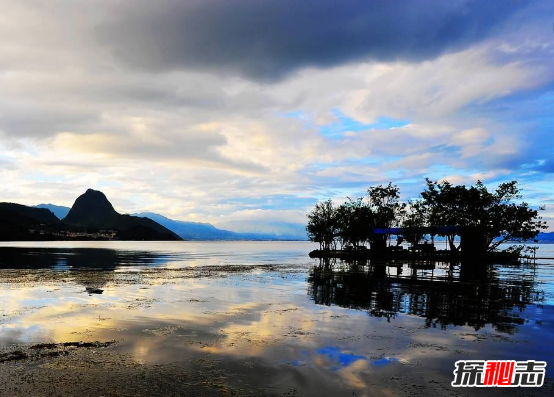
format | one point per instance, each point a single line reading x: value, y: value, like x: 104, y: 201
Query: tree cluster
x: 442, y: 209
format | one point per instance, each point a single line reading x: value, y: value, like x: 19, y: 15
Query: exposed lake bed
x: 242, y: 318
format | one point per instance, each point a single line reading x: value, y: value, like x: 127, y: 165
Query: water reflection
x: 92, y: 268
x: 242, y: 321
x: 441, y: 292
x: 78, y: 258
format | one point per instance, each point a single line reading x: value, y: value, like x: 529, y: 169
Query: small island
x: 472, y: 221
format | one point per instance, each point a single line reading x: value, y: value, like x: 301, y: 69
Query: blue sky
x: 249, y: 112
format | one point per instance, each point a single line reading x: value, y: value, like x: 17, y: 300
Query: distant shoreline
x: 150, y: 241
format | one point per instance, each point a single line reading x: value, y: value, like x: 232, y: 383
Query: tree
x: 414, y: 222
x: 445, y: 207
x: 322, y: 224
x: 486, y: 219
x: 386, y: 210
x: 503, y: 219
x: 353, y: 221
x: 498, y: 215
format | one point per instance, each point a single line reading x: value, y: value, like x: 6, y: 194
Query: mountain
x: 278, y: 230
x: 18, y: 222
x: 192, y: 230
x: 58, y: 210
x: 92, y: 216
x: 206, y: 231
x: 34, y: 215
x: 93, y: 211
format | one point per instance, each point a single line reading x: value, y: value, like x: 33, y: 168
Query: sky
x: 245, y: 113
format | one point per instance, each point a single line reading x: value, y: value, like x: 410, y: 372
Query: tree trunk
x: 451, y: 244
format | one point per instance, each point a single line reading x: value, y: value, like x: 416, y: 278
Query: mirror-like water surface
x: 259, y: 318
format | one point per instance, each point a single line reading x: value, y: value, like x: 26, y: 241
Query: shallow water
x: 263, y: 318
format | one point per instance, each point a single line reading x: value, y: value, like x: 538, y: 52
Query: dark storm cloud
x: 266, y: 39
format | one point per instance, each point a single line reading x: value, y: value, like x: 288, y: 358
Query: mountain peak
x: 91, y: 208
x: 91, y: 192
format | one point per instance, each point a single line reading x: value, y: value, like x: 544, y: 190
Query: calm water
x: 264, y: 318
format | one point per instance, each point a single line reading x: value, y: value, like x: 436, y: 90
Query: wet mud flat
x: 265, y: 329
x: 93, y: 370
x: 99, y: 369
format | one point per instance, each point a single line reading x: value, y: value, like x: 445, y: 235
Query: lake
x: 259, y: 318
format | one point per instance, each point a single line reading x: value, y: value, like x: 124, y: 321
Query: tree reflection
x: 441, y: 292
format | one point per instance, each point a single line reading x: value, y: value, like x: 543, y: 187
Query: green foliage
x: 494, y: 216
x: 384, y: 203
x: 414, y: 222
x: 354, y: 218
x: 322, y: 224
x: 352, y: 223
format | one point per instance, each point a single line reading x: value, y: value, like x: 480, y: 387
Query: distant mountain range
x: 207, y: 231
x: 199, y: 231
x: 58, y: 210
x: 92, y: 217
x: 191, y: 230
x: 280, y: 230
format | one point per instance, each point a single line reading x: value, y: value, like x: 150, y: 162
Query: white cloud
x: 202, y: 146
